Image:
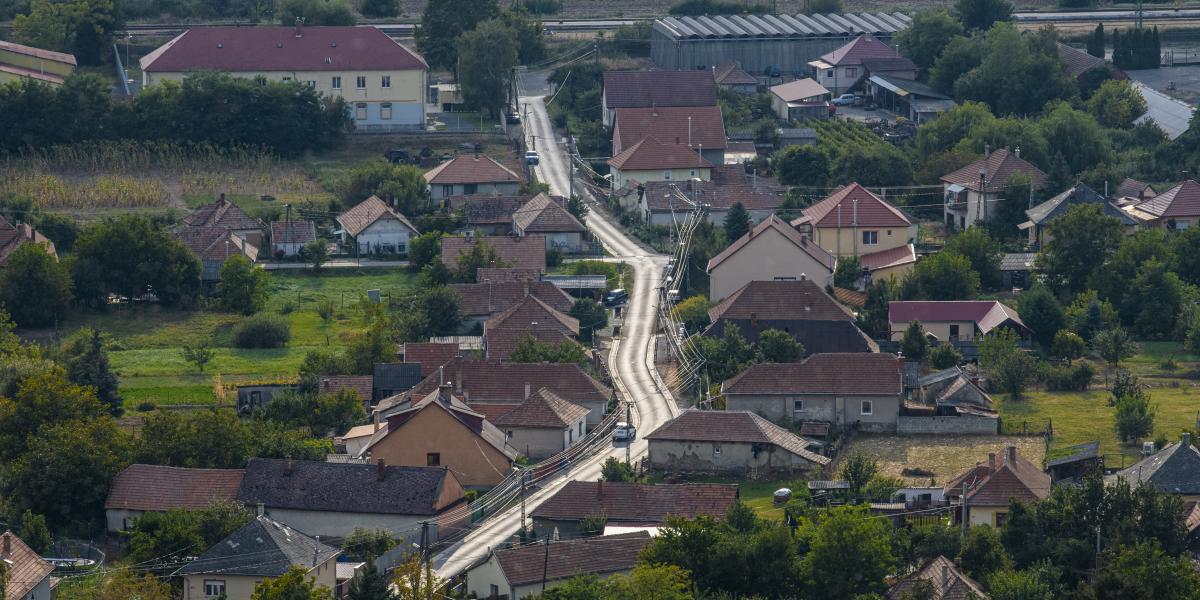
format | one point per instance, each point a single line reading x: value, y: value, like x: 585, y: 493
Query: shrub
x: 145, y: 406
x: 944, y: 356
x: 287, y: 308
x: 325, y: 310
x: 1168, y: 364
x: 262, y: 331
x: 553, y: 258
x: 1070, y: 379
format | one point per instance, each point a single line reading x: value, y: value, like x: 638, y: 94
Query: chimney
x: 526, y: 289
x: 261, y: 509
x: 754, y: 319
x: 987, y: 150
x: 7, y: 546
x: 1017, y: 152
x: 1010, y: 454
x: 458, y: 379
x: 287, y: 466
x: 299, y: 27
x: 222, y: 197
x: 991, y: 461
x: 1186, y: 440
x: 526, y: 390
x: 316, y: 550
x: 377, y: 417
x: 380, y: 469
x: 803, y: 277
x: 441, y: 375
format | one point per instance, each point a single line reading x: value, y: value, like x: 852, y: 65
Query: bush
x: 287, y: 308
x: 553, y: 258
x: 262, y: 331
x: 1070, y: 379
x: 944, y: 356
x: 325, y: 310
x: 145, y: 406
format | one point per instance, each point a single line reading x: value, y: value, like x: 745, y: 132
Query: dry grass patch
x: 944, y: 455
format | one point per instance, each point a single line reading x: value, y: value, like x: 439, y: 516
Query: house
x: 643, y: 89
x: 1172, y: 470
x: 389, y: 379
x: 628, y: 503
x: 1016, y: 269
x: 288, y: 237
x: 27, y: 575
x: 18, y: 62
x: 917, y: 101
x: 771, y: 250
x: 376, y: 228
x: 382, y: 82
x: 479, y: 302
x: 543, y: 425
x: 948, y: 402
x: 252, y: 396
x: 431, y: 355
x: 1075, y: 462
x: 471, y: 174
x: 524, y: 571
x: 730, y: 76
x: 493, y: 387
x: 800, y: 100
x: 489, y: 215
x: 212, y: 246
x: 666, y: 202
x: 954, y: 320
x: 841, y: 70
x: 1137, y: 190
x: 332, y: 499
x: 438, y: 429
x: 1176, y: 208
x: 1040, y: 216
x: 14, y: 236
x: 362, y: 386
x: 800, y: 308
x: 528, y: 252
x: 733, y: 442
x: 653, y: 160
x: 845, y: 389
x: 853, y: 221
x: 139, y: 489
x: 700, y: 128
x: 528, y: 317
x: 223, y: 214
x: 448, y: 97
x: 548, y: 217
x: 991, y: 486
x: 972, y: 191
x: 262, y: 549
x: 943, y: 578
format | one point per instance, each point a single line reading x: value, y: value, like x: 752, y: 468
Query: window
x: 716, y: 450
x: 666, y: 175
x: 1181, y: 224
x: 386, y: 82
x: 870, y: 238
x: 829, y: 73
x: 1001, y: 519
x: 470, y: 188
x: 311, y: 83
x: 797, y: 406
x: 447, y: 190
x: 433, y: 459
x: 581, y: 428
x: 851, y: 71
x: 260, y: 80
x: 337, y: 82
x: 692, y: 173
x: 385, y: 111
x: 868, y: 408
x: 360, y: 82
x: 287, y: 78
x: 494, y: 591
x: 889, y: 233
x: 508, y: 434
x: 570, y: 436
x: 954, y: 332
x: 360, y: 111
x: 214, y: 587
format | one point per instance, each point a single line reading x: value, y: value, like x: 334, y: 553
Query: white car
x: 532, y: 158
x: 624, y: 432
x: 845, y: 100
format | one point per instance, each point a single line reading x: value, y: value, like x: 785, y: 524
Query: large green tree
x: 1018, y: 74
x: 42, y: 398
x: 443, y: 22
x: 1082, y: 240
x: 737, y: 222
x: 1040, y: 310
x: 243, y: 288
x: 849, y: 554
x: 131, y: 256
x: 1116, y: 104
x: 778, y: 346
x: 87, y: 365
x: 982, y: 14
x: 981, y: 250
x: 928, y: 33
x: 35, y: 288
x: 942, y: 276
x: 1008, y: 366
x: 802, y: 165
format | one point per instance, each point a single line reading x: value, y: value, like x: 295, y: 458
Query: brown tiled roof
x: 773, y: 222
x: 651, y: 154
x: 859, y: 205
x: 492, y: 411
x: 730, y: 185
x: 831, y: 373
x: 157, y: 488
x: 1077, y: 62
x: 293, y: 232
x: 543, y: 214
x: 457, y: 409
x: 527, y: 252
x: 222, y: 213
x: 884, y: 65
x: 1011, y: 477
x: 948, y: 582
x: 778, y: 301
x: 13, y: 236
x: 26, y: 570
x: 733, y: 426
x: 864, y: 46
x: 242, y: 49
x: 851, y: 298
x: 1133, y: 188
x: 986, y: 314
x: 471, y: 168
x: 507, y: 274
x: 482, y: 210
x: 543, y: 410
x: 208, y: 243
x: 637, y: 502
x: 503, y: 382
x: 1183, y: 200
x: 488, y: 298
x: 501, y: 343
x: 698, y: 127
x: 361, y: 385
x: 1000, y: 166
x: 798, y: 90
x: 430, y: 355
x: 366, y: 213
x: 50, y: 55
x: 532, y: 313
x: 531, y: 563
x: 893, y: 257
x: 729, y: 73
x: 632, y: 89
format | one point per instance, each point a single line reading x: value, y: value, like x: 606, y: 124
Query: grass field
x: 943, y: 455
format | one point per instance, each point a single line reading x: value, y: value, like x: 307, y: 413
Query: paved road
x: 631, y: 361
x: 338, y: 264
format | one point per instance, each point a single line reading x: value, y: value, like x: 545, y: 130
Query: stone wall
x: 947, y: 425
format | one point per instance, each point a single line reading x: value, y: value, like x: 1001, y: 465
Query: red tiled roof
x: 488, y: 298
x: 293, y: 232
x: 13, y: 236
x: 26, y: 570
x: 999, y: 167
x: 543, y: 410
x: 734, y: 426
x: 59, y: 57
x: 778, y: 301
x: 651, y: 154
x: 1010, y: 477
x: 947, y: 581
x: 214, y: 243
x: 894, y: 257
x: 492, y: 411
x: 798, y: 90
x: 504, y: 382
x: 430, y: 355
x: 730, y: 185
x: 361, y: 385
x: 527, y: 252
x: 1183, y: 200
x: 862, y: 47
x: 222, y: 213
x: 857, y: 204
x: 832, y: 373
x: 633, y: 89
x: 543, y: 214
x: 471, y: 168
x: 1133, y: 188
x: 157, y: 488
x: 457, y: 409
x: 240, y: 49
x: 501, y: 343
x: 851, y: 298
x: 669, y: 124
x: 529, y: 564
x: 1077, y: 62
x: 987, y: 314
x: 482, y: 210
x: 773, y: 222
x: 729, y: 73
x: 507, y: 274
x: 366, y: 213
x: 638, y: 502
x: 532, y: 313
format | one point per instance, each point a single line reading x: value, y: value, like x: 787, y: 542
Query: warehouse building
x: 779, y: 44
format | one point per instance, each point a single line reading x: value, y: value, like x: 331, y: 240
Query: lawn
x: 943, y: 455
x: 756, y: 494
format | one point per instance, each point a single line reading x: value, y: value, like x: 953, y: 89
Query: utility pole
x: 424, y: 542
x: 628, y: 443
x: 522, y: 474
x: 545, y: 564
x: 964, y: 510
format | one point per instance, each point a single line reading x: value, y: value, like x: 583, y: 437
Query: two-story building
x: 655, y: 160
x: 853, y: 222
x: 972, y: 192
x: 844, y: 68
x: 771, y: 250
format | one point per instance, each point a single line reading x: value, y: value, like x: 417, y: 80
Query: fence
x: 1025, y: 427
x: 964, y: 424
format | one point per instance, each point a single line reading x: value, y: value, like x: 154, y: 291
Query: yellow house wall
x: 475, y: 462
x: 842, y: 241
x: 897, y: 272
x: 985, y: 515
x: 620, y: 178
x: 407, y: 85
x: 941, y: 329
x: 34, y: 63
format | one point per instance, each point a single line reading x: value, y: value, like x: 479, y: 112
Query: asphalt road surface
x: 631, y: 360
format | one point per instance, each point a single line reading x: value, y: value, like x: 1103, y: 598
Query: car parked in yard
x: 846, y: 100
x: 616, y: 297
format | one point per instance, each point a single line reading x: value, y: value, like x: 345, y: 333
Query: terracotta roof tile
x: 214, y: 243
x: 730, y: 185
x: 862, y: 47
x: 948, y: 583
x: 545, y: 410
x: 857, y: 203
x: 637, y: 502
x: 1133, y: 188
x: 222, y: 213
x: 528, y: 252
x: 780, y: 300
x: 701, y: 127
x: 729, y: 73
x: 361, y: 385
x: 504, y: 382
x: 1183, y: 200
x: 1077, y: 62
x: 651, y: 154
x: 733, y: 426
x: 492, y: 411
x: 26, y: 570
x: 430, y: 355
x: 773, y: 222
x: 414, y: 403
x: 506, y: 275
x: 831, y: 373
x: 488, y: 298
x: 543, y: 214
x: 987, y: 314
x: 471, y: 168
x: 851, y: 298
x: 293, y: 232
x: 633, y: 89
x: 1000, y: 166
x: 157, y: 488
x: 501, y: 343
x: 483, y: 210
x: 13, y: 236
x: 525, y: 565
x: 366, y: 213
x: 893, y: 257
x: 532, y: 312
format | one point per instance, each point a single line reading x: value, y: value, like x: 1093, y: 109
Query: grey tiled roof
x: 262, y: 548
x: 1173, y: 470
x: 344, y: 488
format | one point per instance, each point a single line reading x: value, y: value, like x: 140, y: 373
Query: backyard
x: 944, y: 455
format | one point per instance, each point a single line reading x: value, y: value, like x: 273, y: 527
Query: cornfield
x: 105, y: 191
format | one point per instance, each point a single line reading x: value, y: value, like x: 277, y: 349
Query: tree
x: 366, y: 544
x: 32, y: 272
x: 693, y: 313
x: 942, y: 276
x: 1088, y: 315
x: 1042, y: 313
x: 982, y: 552
x: 486, y: 59
x: 1068, y: 345
x: 87, y: 365
x: 320, y: 413
x: 849, y: 554
x: 661, y: 582
x: 928, y: 33
x: 1144, y: 571
x: 43, y: 398
x: 1154, y: 300
x: 982, y: 14
x: 1113, y: 345
x: 592, y: 317
x: 944, y: 356
x: 424, y: 249
x: 958, y: 58
x: 778, y: 346
x: 443, y: 22
x: 1009, y: 367
x: 529, y: 350
x: 983, y: 252
x: 124, y: 585
x: 1134, y: 417
x: 737, y: 222
x: 439, y: 306
x: 380, y: 8
x: 315, y: 253
x: 81, y: 27
x: 415, y: 580
x: 1096, y: 41
x: 370, y: 585
x: 874, y: 316
x: 129, y: 256
x: 847, y: 273
x: 34, y: 532
x: 480, y: 255
x: 171, y: 536
x: 1012, y: 59
x: 872, y: 164
x: 1005, y: 216
x: 1081, y: 240
x: 1077, y: 135
x: 199, y: 355
x: 314, y: 12
x: 1116, y: 104
x: 292, y: 585
x: 617, y: 470
x: 914, y: 345
x: 243, y: 288
x: 400, y: 186
x: 529, y: 34
x: 801, y: 165
x: 859, y: 468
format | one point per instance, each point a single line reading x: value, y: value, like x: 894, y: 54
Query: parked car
x: 512, y: 118
x: 624, y: 432
x: 532, y: 158
x: 616, y: 297
x: 846, y: 100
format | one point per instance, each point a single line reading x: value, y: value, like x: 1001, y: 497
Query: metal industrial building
x: 757, y: 42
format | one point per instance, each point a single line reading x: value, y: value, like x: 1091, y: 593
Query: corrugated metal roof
x: 767, y: 26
